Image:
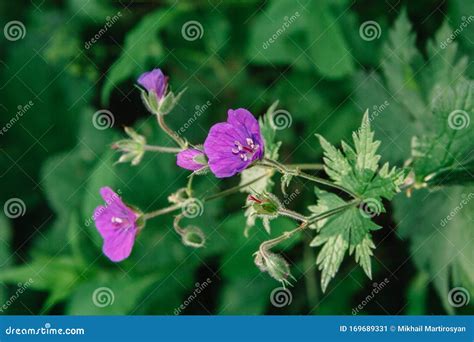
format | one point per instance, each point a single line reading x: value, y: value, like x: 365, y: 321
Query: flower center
x: 245, y: 152
x: 119, y: 222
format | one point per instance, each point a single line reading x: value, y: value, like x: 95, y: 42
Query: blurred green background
x: 320, y: 69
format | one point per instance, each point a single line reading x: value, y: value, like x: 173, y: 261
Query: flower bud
x: 193, y: 236
x: 265, y: 204
x: 133, y: 149
x: 275, y: 265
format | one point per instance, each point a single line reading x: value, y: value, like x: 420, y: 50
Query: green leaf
x: 141, y: 44
x: 347, y: 231
x: 57, y: 275
x: 438, y: 226
x: 326, y: 40
x: 445, y: 152
x: 114, y: 295
x: 356, y: 169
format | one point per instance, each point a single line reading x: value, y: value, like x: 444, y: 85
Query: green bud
x: 133, y: 149
x: 265, y: 204
x: 275, y: 265
x: 193, y: 236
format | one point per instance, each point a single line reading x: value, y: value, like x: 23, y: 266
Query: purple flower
x: 117, y: 224
x: 233, y: 145
x: 154, y: 81
x: 191, y: 159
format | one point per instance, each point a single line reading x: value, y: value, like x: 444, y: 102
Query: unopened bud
x: 265, y: 204
x: 193, y: 236
x: 275, y: 265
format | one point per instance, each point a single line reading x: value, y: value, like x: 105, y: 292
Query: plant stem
x: 293, y: 214
x: 305, y: 166
x: 172, y: 134
x: 235, y: 188
x: 283, y: 169
x: 162, y: 211
x: 223, y: 193
x: 163, y: 149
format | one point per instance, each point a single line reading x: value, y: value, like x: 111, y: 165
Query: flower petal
x: 187, y: 159
x: 119, y: 246
x: 155, y: 81
x: 218, y: 148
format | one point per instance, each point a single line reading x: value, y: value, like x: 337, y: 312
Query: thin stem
x: 296, y: 172
x: 189, y: 187
x: 162, y: 211
x: 305, y: 166
x: 163, y: 149
x: 235, y: 188
x: 293, y: 214
x: 266, y: 245
x: 226, y: 192
x: 180, y: 141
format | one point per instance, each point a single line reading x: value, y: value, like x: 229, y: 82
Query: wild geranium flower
x: 191, y: 159
x: 154, y: 81
x: 233, y: 145
x: 117, y: 224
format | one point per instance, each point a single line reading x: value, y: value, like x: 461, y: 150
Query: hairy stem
x: 163, y: 149
x: 172, y: 134
x: 283, y: 169
x: 162, y: 211
x: 293, y: 214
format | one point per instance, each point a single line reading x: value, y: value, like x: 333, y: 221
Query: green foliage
x: 357, y: 170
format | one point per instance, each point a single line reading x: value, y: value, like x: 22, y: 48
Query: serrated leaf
x: 447, y: 149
